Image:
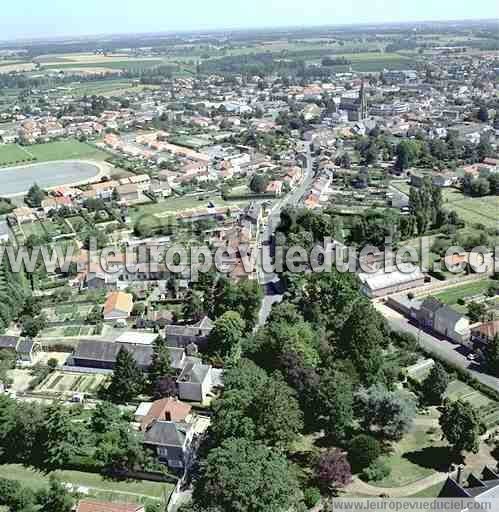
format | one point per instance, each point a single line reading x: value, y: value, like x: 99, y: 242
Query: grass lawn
x: 473, y: 210
x: 452, y: 295
x: 133, y: 488
x: 12, y: 154
x: 157, y: 214
x: 418, y: 455
x: 33, y: 228
x: 430, y: 492
x: 65, y: 150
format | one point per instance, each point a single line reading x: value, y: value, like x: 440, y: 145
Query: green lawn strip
x: 13, y: 154
x: 452, y: 295
x: 37, y: 480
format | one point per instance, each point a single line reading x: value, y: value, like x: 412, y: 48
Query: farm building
x: 381, y: 283
x: 102, y: 354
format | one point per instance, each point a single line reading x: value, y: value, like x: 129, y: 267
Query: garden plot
x: 487, y: 408
x: 65, y: 382
x: 68, y: 313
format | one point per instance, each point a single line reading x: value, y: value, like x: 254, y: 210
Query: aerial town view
x: 249, y: 256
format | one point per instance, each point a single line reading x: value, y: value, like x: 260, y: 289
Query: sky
x: 45, y: 18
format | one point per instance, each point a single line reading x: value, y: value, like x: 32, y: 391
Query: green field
x: 452, y: 295
x: 413, y: 458
x: 477, y: 210
x: 113, y: 64
x: 473, y: 210
x: 107, y: 88
x: 135, y: 490
x: 12, y: 154
x: 66, y: 150
x: 159, y: 214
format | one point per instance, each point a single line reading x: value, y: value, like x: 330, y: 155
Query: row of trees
x: 53, y: 498
x: 55, y: 437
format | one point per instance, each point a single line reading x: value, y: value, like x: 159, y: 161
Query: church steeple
x: 362, y: 102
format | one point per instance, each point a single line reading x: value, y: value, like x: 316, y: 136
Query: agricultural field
x: 107, y: 88
x: 477, y: 210
x: 67, y: 383
x: 91, y: 61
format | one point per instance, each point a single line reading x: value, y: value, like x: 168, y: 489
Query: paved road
x: 270, y: 280
x: 450, y: 352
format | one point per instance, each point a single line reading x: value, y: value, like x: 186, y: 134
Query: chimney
x: 459, y: 473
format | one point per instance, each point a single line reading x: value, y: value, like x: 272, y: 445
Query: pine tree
x: 161, y: 366
x: 128, y: 379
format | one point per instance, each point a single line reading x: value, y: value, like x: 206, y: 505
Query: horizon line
x: 216, y: 30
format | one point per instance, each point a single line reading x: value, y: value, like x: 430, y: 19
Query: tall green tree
x: 491, y: 354
x: 435, y: 385
x: 361, y: 341
x: 388, y: 413
x: 55, y: 498
x: 61, y: 437
x: 161, y: 366
x: 461, y: 426
x: 337, y: 400
x: 245, y: 476
x: 226, y: 334
x: 128, y: 379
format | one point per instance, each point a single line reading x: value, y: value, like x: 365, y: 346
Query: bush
x: 376, y: 471
x: 311, y: 495
x: 52, y: 363
x: 363, y: 451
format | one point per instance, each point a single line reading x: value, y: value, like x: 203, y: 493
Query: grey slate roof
x: 451, y: 316
x: 431, y: 304
x: 107, y: 351
x: 167, y: 433
x: 25, y: 346
x: 8, y: 342
x: 194, y: 372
